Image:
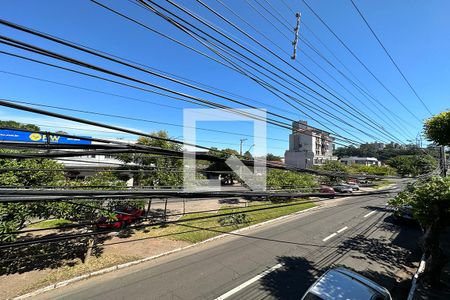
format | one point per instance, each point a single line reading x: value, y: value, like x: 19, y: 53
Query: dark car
x: 404, y: 213
x: 125, y: 215
x: 324, y: 189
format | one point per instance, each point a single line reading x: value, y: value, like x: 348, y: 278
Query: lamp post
x: 240, y: 146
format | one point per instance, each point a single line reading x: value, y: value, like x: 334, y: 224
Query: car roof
x: 340, y: 283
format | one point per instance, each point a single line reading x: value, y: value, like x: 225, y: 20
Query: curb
x: 416, y: 277
x: 139, y: 261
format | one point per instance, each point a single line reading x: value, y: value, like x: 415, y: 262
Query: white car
x: 341, y: 283
x: 354, y: 186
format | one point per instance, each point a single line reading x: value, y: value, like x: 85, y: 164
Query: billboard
x: 35, y: 137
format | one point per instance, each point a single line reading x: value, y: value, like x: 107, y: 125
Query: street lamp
x: 240, y: 147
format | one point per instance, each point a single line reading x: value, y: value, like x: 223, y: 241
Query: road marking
x: 342, y: 229
x: 371, y: 213
x: 329, y: 237
x: 248, y: 282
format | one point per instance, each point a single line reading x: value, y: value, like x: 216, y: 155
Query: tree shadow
x: 47, y: 255
x: 292, y: 280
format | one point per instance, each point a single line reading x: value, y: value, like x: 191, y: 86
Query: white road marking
x: 371, y: 213
x: 329, y: 237
x: 342, y: 229
x: 248, y: 282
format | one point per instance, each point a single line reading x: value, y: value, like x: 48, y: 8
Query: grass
x: 173, y: 232
x: 50, y: 223
x: 195, y: 235
x: 382, y: 183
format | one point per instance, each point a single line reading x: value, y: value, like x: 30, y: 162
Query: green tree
x: 14, y: 124
x: 430, y: 203
x: 228, y: 177
x: 273, y: 157
x: 282, y: 179
x: 437, y: 128
x: 413, y: 165
x: 156, y: 170
x: 26, y: 173
x: 333, y: 166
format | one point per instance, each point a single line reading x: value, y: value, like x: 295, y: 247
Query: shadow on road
x: 389, y: 262
x: 292, y: 280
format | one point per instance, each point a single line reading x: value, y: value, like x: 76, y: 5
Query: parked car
x: 354, y: 186
x: 229, y: 201
x: 341, y: 283
x: 125, y: 216
x: 324, y: 189
x: 404, y: 213
x: 343, y: 188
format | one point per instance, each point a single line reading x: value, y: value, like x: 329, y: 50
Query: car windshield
x: 311, y: 296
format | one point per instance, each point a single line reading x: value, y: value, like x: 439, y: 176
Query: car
x: 404, y: 213
x: 342, y: 188
x: 125, y: 215
x: 324, y: 189
x: 341, y: 283
x: 353, y: 185
x: 229, y: 201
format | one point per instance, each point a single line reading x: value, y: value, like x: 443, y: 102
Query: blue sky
x: 416, y: 33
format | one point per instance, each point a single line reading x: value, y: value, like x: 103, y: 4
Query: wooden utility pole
x: 295, y: 42
x: 443, y: 161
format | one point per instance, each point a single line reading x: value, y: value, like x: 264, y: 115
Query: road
x: 276, y: 261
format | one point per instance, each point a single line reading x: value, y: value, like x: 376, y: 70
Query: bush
x: 234, y: 220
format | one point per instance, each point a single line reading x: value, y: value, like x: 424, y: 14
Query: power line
x: 361, y: 62
x: 201, y: 20
x: 276, y: 44
x: 53, y: 55
x: 179, y: 26
x: 390, y: 56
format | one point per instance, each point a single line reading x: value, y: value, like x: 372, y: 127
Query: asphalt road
x: 276, y: 261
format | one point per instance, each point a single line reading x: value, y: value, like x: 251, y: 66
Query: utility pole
x: 443, y: 161
x: 297, y: 27
x: 240, y: 147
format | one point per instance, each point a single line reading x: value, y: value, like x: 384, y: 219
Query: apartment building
x: 308, y: 146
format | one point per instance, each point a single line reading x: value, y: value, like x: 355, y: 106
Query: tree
x: 281, y: 179
x: 165, y: 171
x: 430, y: 203
x: 437, y: 128
x: 15, y: 215
x: 227, y: 176
x: 14, y: 124
x: 272, y: 157
x: 413, y: 165
x: 333, y: 166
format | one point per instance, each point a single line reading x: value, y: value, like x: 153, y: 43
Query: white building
x: 308, y: 146
x: 366, y: 161
x: 88, y: 165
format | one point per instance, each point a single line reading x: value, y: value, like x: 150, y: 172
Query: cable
x: 276, y: 45
x: 131, y: 98
x: 390, y: 56
x: 361, y: 62
x: 130, y: 19
x: 264, y: 85
x: 306, y: 68
x: 132, y: 86
x: 51, y: 54
x: 197, y: 18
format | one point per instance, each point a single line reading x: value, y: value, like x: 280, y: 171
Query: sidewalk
x: 425, y: 291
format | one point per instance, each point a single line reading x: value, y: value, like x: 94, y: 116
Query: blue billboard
x: 35, y: 137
